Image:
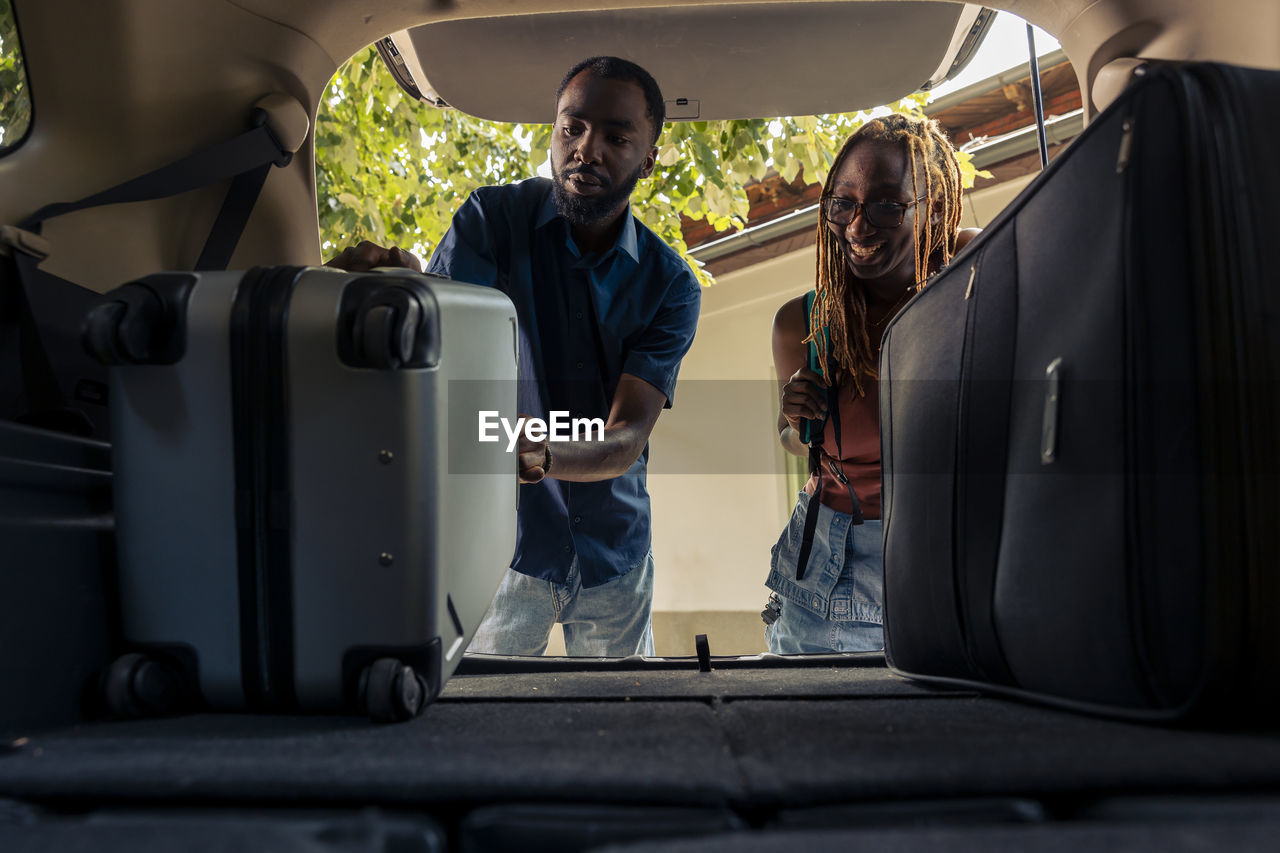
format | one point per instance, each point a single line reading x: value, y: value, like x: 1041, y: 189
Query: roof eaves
x: 994, y: 83
x: 1057, y: 130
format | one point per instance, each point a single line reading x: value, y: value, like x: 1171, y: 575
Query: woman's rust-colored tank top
x: 859, y: 452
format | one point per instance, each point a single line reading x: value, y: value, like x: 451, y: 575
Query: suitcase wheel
x: 137, y: 686
x: 391, y: 692
x: 387, y: 333
x: 128, y: 329
x: 376, y: 337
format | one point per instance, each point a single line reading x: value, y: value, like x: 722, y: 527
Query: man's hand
x: 368, y: 255
x: 531, y: 457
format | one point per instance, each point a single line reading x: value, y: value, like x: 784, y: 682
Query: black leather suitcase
x: 1079, y: 421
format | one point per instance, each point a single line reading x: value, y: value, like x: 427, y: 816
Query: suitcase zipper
x: 975, y: 562
x: 959, y: 483
x: 1132, y: 343
x: 260, y: 420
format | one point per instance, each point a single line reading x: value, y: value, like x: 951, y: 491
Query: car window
x: 15, y: 95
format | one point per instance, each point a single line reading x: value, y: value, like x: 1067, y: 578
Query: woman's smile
x: 862, y: 251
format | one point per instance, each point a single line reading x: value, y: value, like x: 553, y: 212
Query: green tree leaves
x: 15, y: 97
x: 393, y: 171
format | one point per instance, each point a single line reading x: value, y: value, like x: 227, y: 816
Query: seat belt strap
x: 242, y: 195
x: 253, y: 148
x: 246, y: 159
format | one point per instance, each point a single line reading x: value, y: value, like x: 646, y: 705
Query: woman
x: 890, y: 218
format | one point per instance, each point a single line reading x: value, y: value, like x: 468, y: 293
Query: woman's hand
x: 804, y: 395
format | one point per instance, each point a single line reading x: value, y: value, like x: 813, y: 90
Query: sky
x: 1004, y: 47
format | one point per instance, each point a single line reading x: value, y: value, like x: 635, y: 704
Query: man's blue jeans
x: 610, y: 620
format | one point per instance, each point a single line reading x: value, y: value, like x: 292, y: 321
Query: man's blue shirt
x: 584, y: 321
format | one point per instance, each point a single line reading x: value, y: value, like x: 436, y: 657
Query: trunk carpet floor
x: 746, y: 738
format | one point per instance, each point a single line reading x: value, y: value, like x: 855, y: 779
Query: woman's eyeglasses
x: 879, y: 214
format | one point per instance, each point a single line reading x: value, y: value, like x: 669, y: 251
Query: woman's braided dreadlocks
x: 841, y: 304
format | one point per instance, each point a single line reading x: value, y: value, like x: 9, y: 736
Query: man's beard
x: 580, y: 210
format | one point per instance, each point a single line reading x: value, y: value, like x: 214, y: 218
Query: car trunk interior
x: 558, y: 754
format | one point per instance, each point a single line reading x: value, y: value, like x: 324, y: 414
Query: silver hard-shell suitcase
x: 298, y: 526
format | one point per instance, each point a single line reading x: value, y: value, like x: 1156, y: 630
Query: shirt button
x: 579, y: 365
x: 568, y: 548
x: 577, y: 519
x: 817, y: 602
x: 579, y: 315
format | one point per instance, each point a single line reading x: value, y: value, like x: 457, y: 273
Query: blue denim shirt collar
x: 626, y: 241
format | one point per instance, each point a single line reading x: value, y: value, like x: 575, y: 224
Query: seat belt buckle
x: 14, y: 239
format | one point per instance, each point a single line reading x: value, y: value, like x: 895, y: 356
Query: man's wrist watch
x: 546, y: 463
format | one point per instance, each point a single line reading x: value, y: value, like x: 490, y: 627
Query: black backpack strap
x: 815, y: 450
x: 815, y: 456
x: 810, y: 525
x: 833, y: 399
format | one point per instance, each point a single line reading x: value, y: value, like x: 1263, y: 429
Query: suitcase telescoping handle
x: 389, y: 323
x: 142, y: 322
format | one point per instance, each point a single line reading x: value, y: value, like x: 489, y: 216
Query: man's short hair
x: 614, y: 68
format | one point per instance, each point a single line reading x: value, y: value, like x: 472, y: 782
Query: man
x: 607, y: 311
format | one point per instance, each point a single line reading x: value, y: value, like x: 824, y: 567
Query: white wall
x: 713, y: 529
x: 982, y: 206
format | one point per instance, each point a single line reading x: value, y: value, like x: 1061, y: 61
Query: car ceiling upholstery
x: 120, y: 87
x: 724, y: 60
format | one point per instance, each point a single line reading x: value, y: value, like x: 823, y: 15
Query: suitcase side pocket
x: 981, y: 453
x: 920, y: 372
